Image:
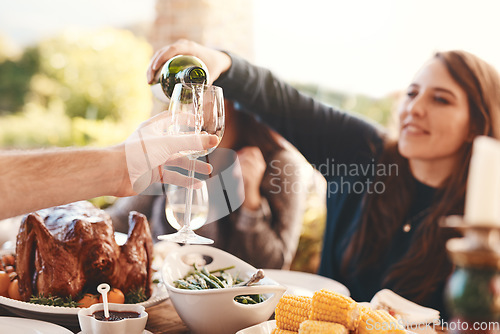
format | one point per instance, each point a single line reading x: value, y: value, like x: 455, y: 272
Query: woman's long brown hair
x: 426, y: 266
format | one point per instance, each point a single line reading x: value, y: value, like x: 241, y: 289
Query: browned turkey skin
x: 68, y: 249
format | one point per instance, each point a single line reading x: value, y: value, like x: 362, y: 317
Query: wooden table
x: 164, y: 319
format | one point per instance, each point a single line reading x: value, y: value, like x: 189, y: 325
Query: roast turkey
x: 64, y: 250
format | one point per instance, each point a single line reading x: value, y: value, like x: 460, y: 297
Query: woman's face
x: 434, y: 115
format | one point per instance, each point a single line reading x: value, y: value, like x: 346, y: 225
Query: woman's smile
x: 413, y: 129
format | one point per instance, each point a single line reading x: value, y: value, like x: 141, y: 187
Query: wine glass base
x: 186, y: 237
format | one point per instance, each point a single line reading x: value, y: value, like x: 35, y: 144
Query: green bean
x: 205, y: 271
x: 209, y: 281
x: 228, y: 278
x: 245, y: 300
x: 192, y: 280
x: 217, y: 280
x: 200, y: 279
x: 182, y: 284
x: 257, y: 298
x: 221, y: 269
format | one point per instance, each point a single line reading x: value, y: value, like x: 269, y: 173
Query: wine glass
x: 175, y: 206
x: 194, y: 108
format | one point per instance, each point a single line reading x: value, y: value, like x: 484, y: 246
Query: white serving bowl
x: 90, y: 325
x: 214, y: 311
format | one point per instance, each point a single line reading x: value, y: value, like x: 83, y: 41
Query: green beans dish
x: 201, y: 279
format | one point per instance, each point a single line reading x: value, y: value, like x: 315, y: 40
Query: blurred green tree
x: 380, y: 110
x: 16, y: 70
x: 78, y: 88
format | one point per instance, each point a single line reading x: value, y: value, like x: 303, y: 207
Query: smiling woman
x: 434, y: 120
x: 451, y: 100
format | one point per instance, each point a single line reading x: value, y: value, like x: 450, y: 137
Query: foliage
x: 100, y: 75
x: 136, y: 296
x: 36, y: 127
x: 308, y: 255
x: 78, y: 88
x: 15, y: 80
x: 103, y: 202
x: 54, y: 301
x: 378, y: 110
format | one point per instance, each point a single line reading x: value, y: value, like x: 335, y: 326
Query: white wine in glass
x: 194, y: 109
x: 175, y: 206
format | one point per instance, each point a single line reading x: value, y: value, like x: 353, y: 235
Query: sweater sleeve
x: 268, y: 237
x: 320, y: 132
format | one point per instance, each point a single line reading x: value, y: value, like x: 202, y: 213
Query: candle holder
x: 472, y: 292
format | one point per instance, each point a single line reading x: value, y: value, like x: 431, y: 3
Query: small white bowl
x: 90, y: 325
x: 214, y: 311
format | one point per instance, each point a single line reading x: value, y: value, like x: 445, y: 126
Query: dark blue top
x: 344, y: 148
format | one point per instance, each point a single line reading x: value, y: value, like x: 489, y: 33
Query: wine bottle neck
x: 193, y: 74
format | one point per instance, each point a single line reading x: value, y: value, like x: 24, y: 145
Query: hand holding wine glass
x: 194, y: 109
x: 149, y: 149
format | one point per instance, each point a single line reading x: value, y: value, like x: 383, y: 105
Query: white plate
x: 305, y: 284
x: 267, y: 327
x: 404, y: 309
x: 68, y: 316
x: 28, y: 326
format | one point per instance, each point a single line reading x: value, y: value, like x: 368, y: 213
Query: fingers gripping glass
x: 194, y: 108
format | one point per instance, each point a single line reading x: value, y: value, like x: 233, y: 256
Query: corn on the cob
x: 378, y: 322
x: 291, y: 311
x: 321, y: 327
x: 334, y: 307
x: 282, y: 331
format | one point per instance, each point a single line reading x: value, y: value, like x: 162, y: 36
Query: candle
x: 482, y: 200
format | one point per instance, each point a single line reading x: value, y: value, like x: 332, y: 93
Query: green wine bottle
x: 182, y: 69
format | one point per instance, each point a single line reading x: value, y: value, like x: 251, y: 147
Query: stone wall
x: 225, y: 24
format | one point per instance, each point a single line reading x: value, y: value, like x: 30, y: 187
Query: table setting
x: 176, y: 310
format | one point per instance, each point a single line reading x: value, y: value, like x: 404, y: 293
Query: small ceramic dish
x: 214, y: 311
x: 90, y: 325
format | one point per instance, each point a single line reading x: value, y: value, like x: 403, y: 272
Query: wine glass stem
x: 189, y: 195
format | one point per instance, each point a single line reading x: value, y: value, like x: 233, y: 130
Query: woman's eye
x: 441, y: 100
x: 411, y: 93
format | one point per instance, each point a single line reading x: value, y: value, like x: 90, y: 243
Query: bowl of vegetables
x: 206, y: 286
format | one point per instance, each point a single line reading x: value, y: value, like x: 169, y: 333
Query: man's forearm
x: 38, y: 179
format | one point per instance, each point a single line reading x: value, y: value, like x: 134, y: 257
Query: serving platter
x: 68, y: 316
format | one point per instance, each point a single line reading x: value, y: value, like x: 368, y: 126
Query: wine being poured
x: 179, y: 69
x: 194, y: 108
